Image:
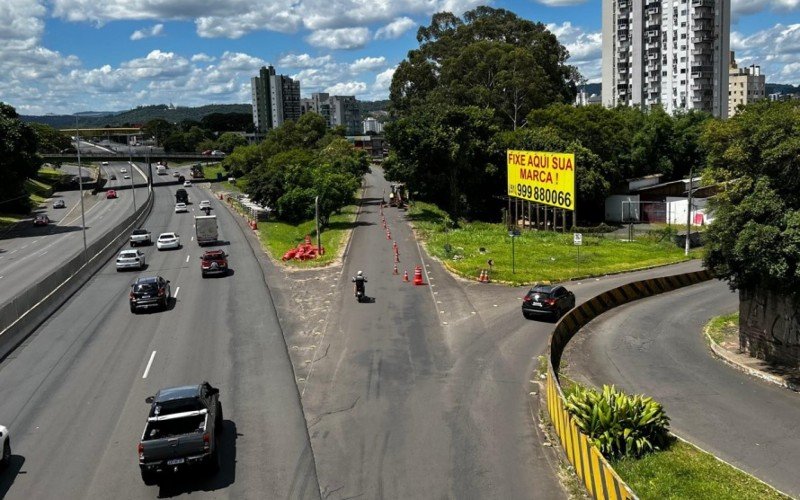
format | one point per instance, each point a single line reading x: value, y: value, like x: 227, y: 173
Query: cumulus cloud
x: 157, y: 65
x: 395, y: 29
x: 238, y: 61
x: 746, y: 7
x: 347, y: 88
x: 585, y: 48
x: 302, y: 61
x: 155, y: 30
x: 202, y: 57
x: 775, y: 49
x: 367, y: 64
x: 342, y: 38
x: 561, y: 3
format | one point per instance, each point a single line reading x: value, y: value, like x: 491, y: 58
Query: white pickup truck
x: 141, y: 237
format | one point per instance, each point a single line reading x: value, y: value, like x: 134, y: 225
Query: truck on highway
x: 141, y: 237
x: 181, y: 196
x: 206, y: 230
x: 161, y: 170
x: 183, y: 430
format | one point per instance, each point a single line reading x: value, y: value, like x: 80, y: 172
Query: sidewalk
x: 784, y: 376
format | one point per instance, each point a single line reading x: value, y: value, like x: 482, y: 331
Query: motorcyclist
x: 359, y: 281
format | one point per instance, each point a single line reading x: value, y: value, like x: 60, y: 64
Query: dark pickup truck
x: 183, y: 430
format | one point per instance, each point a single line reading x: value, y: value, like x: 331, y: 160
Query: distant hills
x: 143, y: 114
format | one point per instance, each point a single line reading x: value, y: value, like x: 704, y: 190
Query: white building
x: 372, y: 125
x: 745, y: 85
x: 669, y: 52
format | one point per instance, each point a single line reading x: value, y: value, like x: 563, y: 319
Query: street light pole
x: 130, y: 164
x: 80, y: 187
x: 688, y: 215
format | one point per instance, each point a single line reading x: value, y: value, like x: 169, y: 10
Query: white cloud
x: 157, y: 65
x: 155, y: 30
x: 745, y: 7
x: 775, y: 49
x: 367, y: 64
x: 585, y: 49
x: 395, y: 29
x: 202, y: 57
x: 238, y: 61
x: 561, y: 3
x: 383, y: 80
x: 302, y: 61
x: 347, y: 88
x: 342, y: 38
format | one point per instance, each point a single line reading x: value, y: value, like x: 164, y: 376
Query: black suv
x: 550, y: 300
x: 152, y: 291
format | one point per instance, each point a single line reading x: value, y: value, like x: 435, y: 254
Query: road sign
x: 577, y: 238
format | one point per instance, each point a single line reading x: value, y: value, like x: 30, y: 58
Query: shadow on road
x: 10, y: 473
x: 200, y: 480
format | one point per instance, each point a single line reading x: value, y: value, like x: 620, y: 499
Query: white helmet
x: 360, y: 273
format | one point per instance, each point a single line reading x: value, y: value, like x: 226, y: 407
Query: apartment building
x: 745, y: 85
x: 276, y: 99
x: 673, y: 53
x: 337, y: 110
x: 372, y: 125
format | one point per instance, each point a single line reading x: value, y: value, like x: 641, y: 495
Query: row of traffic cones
x: 484, y: 276
x: 417, y: 269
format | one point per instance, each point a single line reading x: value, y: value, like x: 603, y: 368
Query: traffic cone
x: 480, y: 276
x: 418, y: 276
x: 405, y: 276
x: 394, y: 245
x: 395, y: 269
x: 397, y: 257
x: 486, y: 277
x: 388, y: 235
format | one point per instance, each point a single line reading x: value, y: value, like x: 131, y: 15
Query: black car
x: 547, y: 300
x: 152, y: 291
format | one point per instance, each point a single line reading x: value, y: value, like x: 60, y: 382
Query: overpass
x: 139, y: 156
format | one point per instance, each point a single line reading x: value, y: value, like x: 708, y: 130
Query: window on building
x: 663, y: 73
x: 683, y: 59
x: 683, y: 25
x: 683, y: 70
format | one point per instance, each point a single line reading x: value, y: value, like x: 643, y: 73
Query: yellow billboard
x: 542, y: 177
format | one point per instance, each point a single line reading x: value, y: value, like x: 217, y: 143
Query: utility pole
x: 316, y: 218
x: 130, y: 164
x: 688, y: 214
x: 80, y: 187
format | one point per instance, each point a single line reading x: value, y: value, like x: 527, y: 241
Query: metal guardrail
x: 599, y: 478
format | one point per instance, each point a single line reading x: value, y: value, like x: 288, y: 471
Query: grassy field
x: 538, y: 255
x: 52, y: 175
x: 685, y: 472
x: 278, y: 237
x: 210, y: 172
x: 38, y: 191
x: 722, y: 328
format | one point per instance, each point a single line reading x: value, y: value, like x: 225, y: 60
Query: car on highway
x: 126, y: 176
x: 111, y: 194
x: 183, y: 430
x: 205, y: 204
x: 41, y: 220
x: 187, y: 184
x: 176, y: 174
x: 105, y: 163
x: 217, y: 152
x: 207, y: 152
x: 123, y: 170
x: 547, y: 300
x: 5, y: 445
x: 59, y: 204
x: 141, y: 237
x: 213, y: 262
x: 130, y: 259
x: 180, y: 207
x: 168, y: 240
x: 112, y: 177
x: 149, y: 291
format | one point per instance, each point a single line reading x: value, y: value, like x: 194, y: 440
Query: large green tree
x: 490, y: 58
x: 51, y: 140
x: 19, y: 143
x: 754, y: 239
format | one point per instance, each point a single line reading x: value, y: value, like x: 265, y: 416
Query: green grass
x: 210, y: 172
x: 38, y: 191
x: 52, y: 175
x: 277, y: 237
x: 722, y: 328
x: 539, y: 255
x: 684, y: 471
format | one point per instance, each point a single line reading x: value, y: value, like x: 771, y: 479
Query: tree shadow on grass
x: 426, y: 215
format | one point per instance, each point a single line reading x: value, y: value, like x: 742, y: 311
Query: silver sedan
x: 130, y: 259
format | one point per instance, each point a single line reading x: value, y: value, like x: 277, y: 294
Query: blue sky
x: 65, y: 56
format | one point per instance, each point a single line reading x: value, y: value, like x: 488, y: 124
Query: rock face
x: 769, y: 326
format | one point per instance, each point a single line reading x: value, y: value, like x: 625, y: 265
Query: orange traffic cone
x: 418, y: 276
x: 397, y: 257
x: 388, y: 235
x: 395, y: 269
x: 405, y: 276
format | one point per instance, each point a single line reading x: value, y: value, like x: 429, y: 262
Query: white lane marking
x: 13, y: 251
x: 149, y: 364
x: 43, y: 252
x: 191, y: 240
x: 187, y: 258
x: 176, y: 293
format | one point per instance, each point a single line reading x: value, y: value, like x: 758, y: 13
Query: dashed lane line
x: 149, y: 364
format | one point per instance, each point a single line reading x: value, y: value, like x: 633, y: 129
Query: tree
x: 19, y: 143
x: 754, y: 240
x: 51, y: 140
x: 159, y: 128
x: 228, y: 141
x: 491, y: 58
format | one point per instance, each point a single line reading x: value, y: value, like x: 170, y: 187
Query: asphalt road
x: 655, y: 346
x: 28, y: 253
x: 73, y: 394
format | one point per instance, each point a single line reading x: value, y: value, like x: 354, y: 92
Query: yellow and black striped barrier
x: 600, y: 479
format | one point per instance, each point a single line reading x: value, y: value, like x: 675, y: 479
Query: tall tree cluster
x: 19, y: 160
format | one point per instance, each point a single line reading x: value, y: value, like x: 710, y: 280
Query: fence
x: 591, y: 467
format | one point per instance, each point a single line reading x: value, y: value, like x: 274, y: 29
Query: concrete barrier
x: 21, y: 316
x: 599, y: 478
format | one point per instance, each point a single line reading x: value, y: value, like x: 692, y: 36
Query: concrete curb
x: 724, y: 355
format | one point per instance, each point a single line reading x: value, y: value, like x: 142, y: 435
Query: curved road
x: 655, y: 346
x: 73, y: 393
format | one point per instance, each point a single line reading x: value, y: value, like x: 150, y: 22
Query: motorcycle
x: 360, y: 290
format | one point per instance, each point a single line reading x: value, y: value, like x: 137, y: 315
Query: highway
x: 28, y: 253
x: 73, y: 393
x: 655, y: 346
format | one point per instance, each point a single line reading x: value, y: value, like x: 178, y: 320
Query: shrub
x: 620, y: 425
